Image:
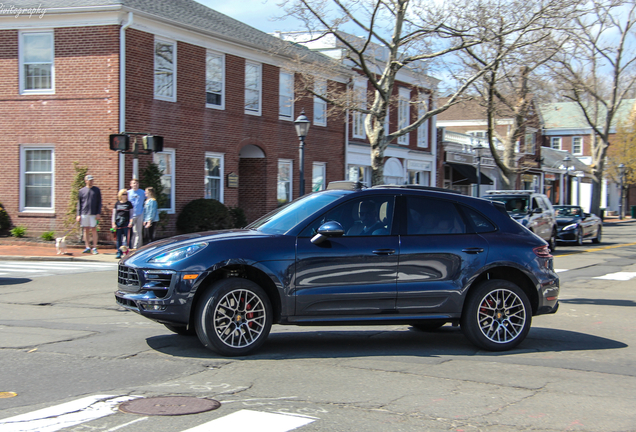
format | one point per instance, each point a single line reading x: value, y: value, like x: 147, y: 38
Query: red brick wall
x: 76, y: 120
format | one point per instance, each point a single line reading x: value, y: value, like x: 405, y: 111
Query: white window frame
x: 322, y: 167
x: 22, y: 63
x: 533, y: 138
x: 23, y: 174
x: 286, y: 96
x: 320, y: 87
x: 422, y: 130
x: 580, y: 152
x: 290, y: 163
x: 172, y: 155
x: 357, y: 121
x: 554, y: 140
x: 213, y: 54
x: 404, y: 111
x: 259, y: 89
x: 221, y: 158
x: 173, y: 97
x: 366, y: 173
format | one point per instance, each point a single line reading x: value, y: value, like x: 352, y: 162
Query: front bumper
x: 161, y: 295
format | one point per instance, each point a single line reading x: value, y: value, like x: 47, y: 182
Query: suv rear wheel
x: 553, y: 240
x: 233, y: 317
x: 497, y: 315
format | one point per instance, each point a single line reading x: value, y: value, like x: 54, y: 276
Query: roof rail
x: 509, y: 192
x: 418, y: 187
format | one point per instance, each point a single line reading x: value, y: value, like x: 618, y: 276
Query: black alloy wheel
x: 497, y: 315
x: 553, y: 240
x: 233, y: 317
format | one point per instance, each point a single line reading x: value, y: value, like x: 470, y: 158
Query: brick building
x: 217, y: 90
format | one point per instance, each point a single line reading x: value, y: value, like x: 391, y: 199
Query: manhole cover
x: 169, y: 406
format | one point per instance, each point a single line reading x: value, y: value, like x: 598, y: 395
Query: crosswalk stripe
x: 64, y: 415
x: 249, y: 421
x: 619, y: 276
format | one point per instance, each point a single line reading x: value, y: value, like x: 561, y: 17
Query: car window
x: 535, y: 204
x: 365, y: 216
x: 481, y: 224
x: 431, y: 216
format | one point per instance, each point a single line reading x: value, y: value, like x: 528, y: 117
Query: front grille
x: 127, y: 276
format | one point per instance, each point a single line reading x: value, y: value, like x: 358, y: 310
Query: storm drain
x: 169, y: 406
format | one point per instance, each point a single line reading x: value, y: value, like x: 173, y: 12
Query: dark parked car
x: 575, y: 225
x: 389, y: 255
x: 532, y: 210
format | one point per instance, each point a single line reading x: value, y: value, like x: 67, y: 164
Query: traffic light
x: 153, y: 143
x: 119, y: 142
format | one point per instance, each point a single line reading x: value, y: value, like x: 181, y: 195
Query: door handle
x: 384, y: 251
x: 473, y: 250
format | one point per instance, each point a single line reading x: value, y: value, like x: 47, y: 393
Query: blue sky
x: 259, y: 14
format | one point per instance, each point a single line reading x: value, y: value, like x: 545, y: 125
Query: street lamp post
x: 478, y: 149
x: 302, y: 127
x: 621, y: 174
x: 566, y: 161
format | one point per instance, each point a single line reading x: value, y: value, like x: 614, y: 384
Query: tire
x: 599, y: 236
x: 579, y: 236
x: 428, y: 325
x: 233, y: 317
x: 552, y: 242
x: 497, y: 315
x: 181, y: 330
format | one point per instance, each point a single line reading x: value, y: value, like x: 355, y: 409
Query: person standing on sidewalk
x: 136, y: 197
x: 122, y: 211
x: 151, y: 214
x: 89, y: 207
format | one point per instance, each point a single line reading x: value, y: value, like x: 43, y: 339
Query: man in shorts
x: 89, y: 207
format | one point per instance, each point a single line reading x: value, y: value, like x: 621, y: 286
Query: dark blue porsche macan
x: 347, y: 255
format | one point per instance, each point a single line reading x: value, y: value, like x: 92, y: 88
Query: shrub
x: 48, y: 236
x: 18, y: 231
x: 204, y: 215
x: 5, y: 220
x: 238, y: 217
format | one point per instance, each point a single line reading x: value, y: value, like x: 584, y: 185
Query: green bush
x: 5, y: 220
x: 238, y: 217
x: 18, y: 231
x: 48, y: 236
x: 204, y: 215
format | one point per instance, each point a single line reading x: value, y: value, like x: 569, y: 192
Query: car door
x: 440, y: 251
x: 355, y: 274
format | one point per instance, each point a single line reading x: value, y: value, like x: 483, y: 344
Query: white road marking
x: 620, y: 276
x: 249, y: 421
x: 64, y: 415
x: 561, y: 270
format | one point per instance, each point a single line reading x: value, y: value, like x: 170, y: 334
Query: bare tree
x: 534, y: 32
x: 598, y: 71
x: 409, y: 34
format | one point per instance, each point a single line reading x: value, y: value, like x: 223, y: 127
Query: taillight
x: 542, y: 251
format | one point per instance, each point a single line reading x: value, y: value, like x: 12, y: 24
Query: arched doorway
x: 252, y: 182
x: 393, y: 172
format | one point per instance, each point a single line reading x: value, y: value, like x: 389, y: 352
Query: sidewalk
x: 15, y: 249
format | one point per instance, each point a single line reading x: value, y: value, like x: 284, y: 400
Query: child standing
x: 151, y: 214
x: 122, y: 212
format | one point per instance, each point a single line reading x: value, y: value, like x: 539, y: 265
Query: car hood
x: 146, y: 252
x: 562, y: 221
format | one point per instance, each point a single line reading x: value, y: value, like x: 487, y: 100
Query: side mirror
x: 326, y: 230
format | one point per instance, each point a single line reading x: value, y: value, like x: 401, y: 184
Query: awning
x: 467, y: 174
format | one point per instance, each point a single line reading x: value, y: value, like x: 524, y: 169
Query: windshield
x: 285, y: 218
x: 514, y: 204
x: 568, y: 211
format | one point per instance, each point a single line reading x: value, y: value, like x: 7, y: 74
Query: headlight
x: 178, y: 254
x: 570, y: 227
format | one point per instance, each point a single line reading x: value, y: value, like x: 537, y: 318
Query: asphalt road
x: 68, y: 349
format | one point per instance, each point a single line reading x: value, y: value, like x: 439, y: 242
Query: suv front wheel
x: 497, y: 315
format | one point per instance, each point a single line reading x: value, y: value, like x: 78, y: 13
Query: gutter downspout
x: 346, y: 152
x: 122, y: 99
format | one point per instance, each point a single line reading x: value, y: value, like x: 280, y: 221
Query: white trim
x: 221, y: 157
x: 259, y: 67
x: 289, y: 97
x: 423, y: 129
x: 404, y: 118
x: 173, y: 158
x: 21, y: 74
x: 323, y: 166
x: 580, y: 153
x: 360, y: 95
x: 222, y: 57
x: 22, y: 203
x: 553, y: 139
x: 320, y: 86
x: 474, y: 123
x: 290, y: 162
x: 161, y: 40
